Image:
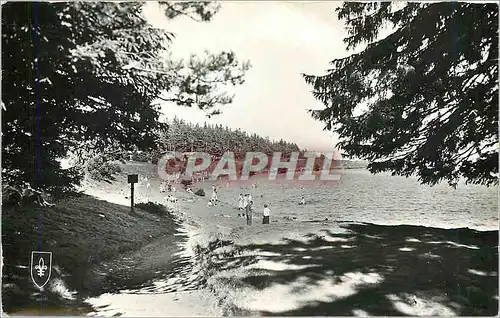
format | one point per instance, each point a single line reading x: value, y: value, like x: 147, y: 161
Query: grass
x: 81, y: 232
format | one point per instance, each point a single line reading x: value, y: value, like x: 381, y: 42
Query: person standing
x: 266, y: 214
x: 214, y: 194
x: 240, y: 202
x: 245, y: 204
x: 302, y: 201
x: 249, y: 211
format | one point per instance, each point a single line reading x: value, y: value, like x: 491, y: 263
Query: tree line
x: 215, y: 139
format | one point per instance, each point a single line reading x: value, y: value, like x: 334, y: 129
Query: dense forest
x: 183, y: 137
x: 216, y: 139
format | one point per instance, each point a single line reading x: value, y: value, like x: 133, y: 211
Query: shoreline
x: 203, y: 239
x: 229, y: 267
x: 214, y: 227
x: 226, y: 281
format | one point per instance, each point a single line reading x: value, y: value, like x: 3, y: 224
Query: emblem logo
x: 41, y: 268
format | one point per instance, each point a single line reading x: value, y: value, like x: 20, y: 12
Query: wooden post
x: 132, y: 179
x: 132, y: 198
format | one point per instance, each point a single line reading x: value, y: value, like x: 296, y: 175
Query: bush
x: 100, y: 169
x: 200, y: 192
x: 141, y: 156
x: 153, y: 208
x: 17, y: 196
x: 11, y: 196
x: 155, y: 156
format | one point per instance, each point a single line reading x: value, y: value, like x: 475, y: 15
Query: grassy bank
x: 82, y: 233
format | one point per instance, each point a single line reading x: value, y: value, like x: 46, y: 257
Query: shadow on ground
x: 417, y: 267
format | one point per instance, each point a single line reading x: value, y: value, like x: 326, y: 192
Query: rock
x: 200, y: 192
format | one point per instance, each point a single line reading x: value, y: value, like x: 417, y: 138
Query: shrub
x: 141, y: 156
x: 11, y: 196
x: 152, y: 208
x: 155, y: 156
x: 98, y: 168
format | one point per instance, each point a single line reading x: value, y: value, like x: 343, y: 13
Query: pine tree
x: 83, y: 80
x: 424, y: 99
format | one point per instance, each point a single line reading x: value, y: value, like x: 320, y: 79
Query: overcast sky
x: 281, y: 40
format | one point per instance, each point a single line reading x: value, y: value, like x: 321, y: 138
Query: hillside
x: 85, y: 236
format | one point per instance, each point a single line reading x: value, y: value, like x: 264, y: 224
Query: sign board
x: 133, y: 178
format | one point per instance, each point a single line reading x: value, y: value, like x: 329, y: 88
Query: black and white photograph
x: 249, y: 158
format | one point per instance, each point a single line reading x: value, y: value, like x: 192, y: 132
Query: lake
x: 450, y: 272
x: 383, y: 199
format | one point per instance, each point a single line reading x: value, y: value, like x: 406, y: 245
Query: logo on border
x: 41, y: 268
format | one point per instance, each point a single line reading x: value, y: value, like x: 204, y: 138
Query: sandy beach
x: 319, y: 261
x: 202, y: 225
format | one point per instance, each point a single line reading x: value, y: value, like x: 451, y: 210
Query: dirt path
x: 159, y: 279
x: 171, y: 273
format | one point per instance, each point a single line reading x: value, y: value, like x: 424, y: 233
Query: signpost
x: 132, y: 178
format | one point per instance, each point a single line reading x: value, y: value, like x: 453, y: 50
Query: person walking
x: 266, y: 214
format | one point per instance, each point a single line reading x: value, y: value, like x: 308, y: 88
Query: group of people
x: 167, y: 186
x: 245, y: 204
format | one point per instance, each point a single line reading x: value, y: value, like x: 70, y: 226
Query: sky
x: 281, y: 40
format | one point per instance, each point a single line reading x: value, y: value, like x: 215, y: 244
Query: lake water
x: 371, y: 270
x: 385, y: 199
x: 330, y: 272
